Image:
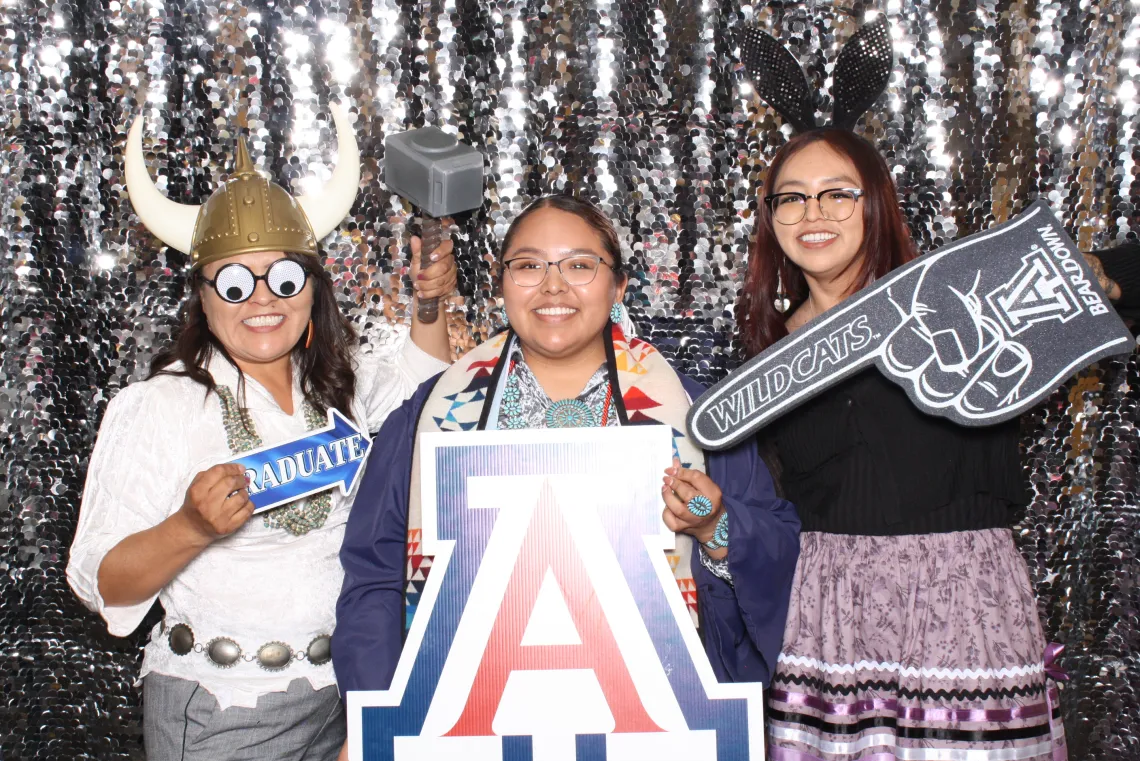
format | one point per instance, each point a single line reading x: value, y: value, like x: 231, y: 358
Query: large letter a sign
x: 551, y: 627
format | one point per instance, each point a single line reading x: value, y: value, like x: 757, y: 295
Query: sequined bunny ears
x: 860, y: 76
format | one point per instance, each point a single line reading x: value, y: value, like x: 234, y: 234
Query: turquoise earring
x: 617, y: 313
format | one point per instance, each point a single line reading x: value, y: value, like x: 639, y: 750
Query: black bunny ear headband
x: 860, y: 76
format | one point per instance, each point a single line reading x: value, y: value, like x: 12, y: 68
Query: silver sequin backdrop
x: 639, y: 105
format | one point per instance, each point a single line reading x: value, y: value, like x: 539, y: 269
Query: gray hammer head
x: 434, y: 171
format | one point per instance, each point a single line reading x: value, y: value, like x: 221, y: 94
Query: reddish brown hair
x: 886, y: 240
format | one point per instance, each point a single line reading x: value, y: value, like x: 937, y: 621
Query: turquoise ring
x: 700, y: 506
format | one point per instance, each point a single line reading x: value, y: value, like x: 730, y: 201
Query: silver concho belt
x: 224, y: 652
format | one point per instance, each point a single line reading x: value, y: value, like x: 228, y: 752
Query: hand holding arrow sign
x: 978, y: 332
x: 319, y: 460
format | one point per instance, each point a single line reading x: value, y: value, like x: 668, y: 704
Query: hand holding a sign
x: 217, y: 502
x: 682, y: 486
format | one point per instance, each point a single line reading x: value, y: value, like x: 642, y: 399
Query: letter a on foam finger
x: 977, y: 332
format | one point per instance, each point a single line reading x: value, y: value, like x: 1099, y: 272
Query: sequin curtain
x: 638, y: 105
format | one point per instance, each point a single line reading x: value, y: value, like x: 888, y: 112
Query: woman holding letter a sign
x: 565, y: 362
x: 912, y: 622
x: 239, y: 668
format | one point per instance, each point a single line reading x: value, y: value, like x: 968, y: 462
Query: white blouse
x: 258, y: 585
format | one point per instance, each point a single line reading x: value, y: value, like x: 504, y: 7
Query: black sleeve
x: 1122, y: 264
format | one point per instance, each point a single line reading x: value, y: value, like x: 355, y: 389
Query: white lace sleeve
x: 134, y: 481
x: 387, y: 377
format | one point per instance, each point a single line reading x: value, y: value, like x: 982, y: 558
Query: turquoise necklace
x: 565, y: 413
x: 299, y: 517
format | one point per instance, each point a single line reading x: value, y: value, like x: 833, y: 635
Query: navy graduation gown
x: 742, y: 624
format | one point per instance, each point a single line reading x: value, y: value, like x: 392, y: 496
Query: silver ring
x: 235, y: 491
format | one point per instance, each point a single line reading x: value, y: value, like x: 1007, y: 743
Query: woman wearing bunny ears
x: 912, y: 631
x: 240, y: 667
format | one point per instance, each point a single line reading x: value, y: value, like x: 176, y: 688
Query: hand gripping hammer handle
x: 433, y: 234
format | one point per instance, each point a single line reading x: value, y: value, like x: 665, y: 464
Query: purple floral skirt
x: 924, y: 648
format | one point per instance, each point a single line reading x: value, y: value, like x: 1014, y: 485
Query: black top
x: 1122, y: 264
x: 862, y: 459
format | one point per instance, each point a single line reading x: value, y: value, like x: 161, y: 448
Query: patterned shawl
x: 650, y: 392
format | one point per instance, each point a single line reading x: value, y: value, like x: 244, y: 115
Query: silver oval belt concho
x: 272, y: 656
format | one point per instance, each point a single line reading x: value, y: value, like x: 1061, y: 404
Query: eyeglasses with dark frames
x: 836, y: 204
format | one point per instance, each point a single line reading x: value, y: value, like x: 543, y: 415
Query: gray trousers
x: 182, y: 722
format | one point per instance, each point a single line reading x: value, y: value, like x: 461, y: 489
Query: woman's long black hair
x: 326, y: 369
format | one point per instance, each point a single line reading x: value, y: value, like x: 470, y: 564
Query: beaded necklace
x: 565, y: 413
x: 299, y: 517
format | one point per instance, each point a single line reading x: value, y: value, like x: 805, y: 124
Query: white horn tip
x: 328, y: 206
x: 169, y: 221
x: 340, y: 116
x: 134, y: 134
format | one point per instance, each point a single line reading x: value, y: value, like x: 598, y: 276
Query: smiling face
x: 263, y: 330
x: 824, y: 249
x: 553, y: 319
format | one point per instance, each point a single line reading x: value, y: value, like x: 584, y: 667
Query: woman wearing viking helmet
x: 565, y: 362
x: 239, y: 668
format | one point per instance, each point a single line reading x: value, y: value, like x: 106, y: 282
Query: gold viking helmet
x: 248, y: 213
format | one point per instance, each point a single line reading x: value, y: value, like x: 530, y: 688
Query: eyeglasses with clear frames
x: 836, y: 204
x: 580, y: 269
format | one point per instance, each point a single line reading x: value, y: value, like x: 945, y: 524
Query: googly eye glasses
x: 235, y: 283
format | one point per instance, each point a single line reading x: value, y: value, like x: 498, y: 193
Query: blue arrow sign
x: 328, y: 457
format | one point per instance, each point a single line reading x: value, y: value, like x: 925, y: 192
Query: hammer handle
x: 428, y: 309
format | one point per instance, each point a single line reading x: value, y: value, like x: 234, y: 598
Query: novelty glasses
x: 235, y: 282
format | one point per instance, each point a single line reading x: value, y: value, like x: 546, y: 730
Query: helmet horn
x: 328, y: 207
x: 169, y: 221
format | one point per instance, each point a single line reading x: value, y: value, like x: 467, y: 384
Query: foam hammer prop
x: 440, y: 175
x: 977, y: 332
